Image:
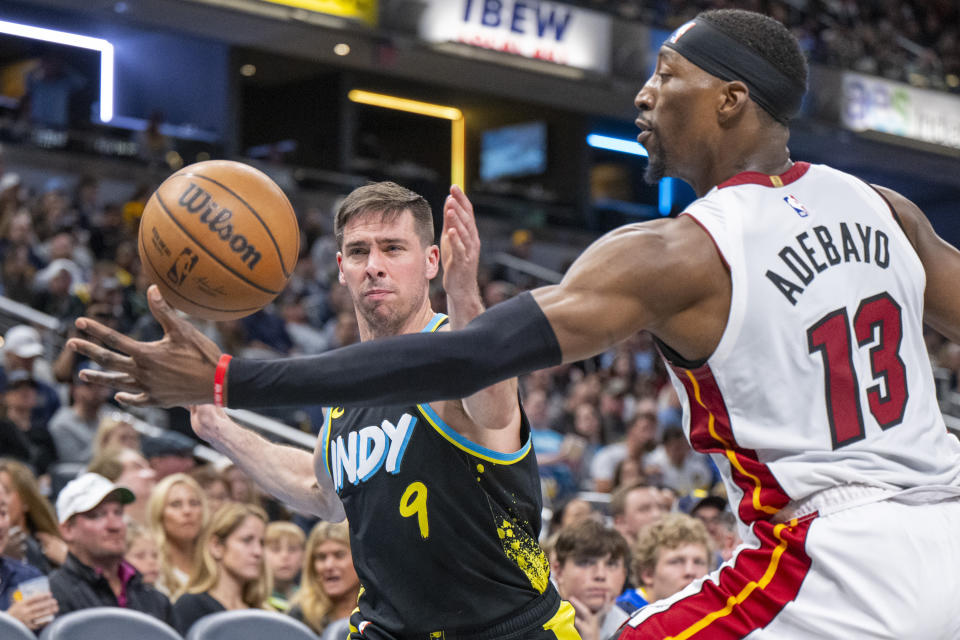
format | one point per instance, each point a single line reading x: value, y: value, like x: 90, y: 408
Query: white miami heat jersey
x: 821, y: 377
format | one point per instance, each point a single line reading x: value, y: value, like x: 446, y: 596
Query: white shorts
x: 885, y: 569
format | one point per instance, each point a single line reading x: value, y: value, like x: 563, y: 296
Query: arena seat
x: 250, y: 624
x: 13, y: 629
x: 108, y: 623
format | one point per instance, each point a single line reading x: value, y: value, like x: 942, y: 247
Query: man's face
x: 593, y: 581
x: 137, y: 475
x: 99, y: 535
x: 21, y: 396
x: 710, y: 517
x: 643, y: 506
x: 677, y: 115
x: 387, y: 270
x: 675, y: 569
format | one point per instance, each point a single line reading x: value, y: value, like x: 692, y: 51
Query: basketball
x: 220, y: 239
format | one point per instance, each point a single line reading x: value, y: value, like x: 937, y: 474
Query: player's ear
x: 340, y: 277
x: 732, y: 100
x: 432, y: 258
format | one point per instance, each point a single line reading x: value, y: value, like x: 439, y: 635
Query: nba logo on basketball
x: 797, y: 206
x: 182, y: 266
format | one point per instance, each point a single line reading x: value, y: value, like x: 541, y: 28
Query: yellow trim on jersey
x: 562, y: 623
x: 325, y: 437
x: 777, y: 182
x: 462, y: 443
x: 749, y: 588
x: 728, y: 450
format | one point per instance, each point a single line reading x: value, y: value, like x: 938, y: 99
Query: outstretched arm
x: 286, y: 473
x: 665, y: 276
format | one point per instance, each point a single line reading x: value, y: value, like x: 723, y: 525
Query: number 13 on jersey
x: 877, y: 321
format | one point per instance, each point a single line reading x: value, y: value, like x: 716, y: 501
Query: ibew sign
x: 534, y: 29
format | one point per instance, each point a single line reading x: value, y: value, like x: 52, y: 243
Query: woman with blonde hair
x: 34, y: 534
x: 232, y: 572
x: 329, y: 586
x: 177, y: 512
x: 115, y: 431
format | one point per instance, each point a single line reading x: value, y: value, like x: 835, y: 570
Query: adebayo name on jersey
x: 847, y: 243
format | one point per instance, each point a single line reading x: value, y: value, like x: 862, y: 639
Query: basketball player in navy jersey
x: 789, y: 301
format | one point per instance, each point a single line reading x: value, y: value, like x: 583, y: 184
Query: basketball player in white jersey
x: 789, y: 301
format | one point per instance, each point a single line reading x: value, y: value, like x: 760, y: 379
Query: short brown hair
x: 389, y: 200
x: 618, y: 501
x: 673, y: 531
x: 590, y: 539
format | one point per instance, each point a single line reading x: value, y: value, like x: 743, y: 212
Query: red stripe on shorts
x: 747, y: 595
x: 710, y: 432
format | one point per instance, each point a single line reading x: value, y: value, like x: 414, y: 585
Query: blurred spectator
x: 90, y: 510
x: 50, y: 89
x: 108, y: 232
x: 32, y: 610
x: 153, y: 144
x: 550, y: 446
x: 242, y: 488
x: 635, y: 506
x: 142, y: 552
x: 169, y: 453
x: 667, y: 557
x: 86, y: 201
x: 587, y: 438
x: 115, y: 430
x: 639, y: 441
x: 129, y: 469
x: 178, y: 512
x: 23, y: 351
x: 590, y: 569
x: 23, y: 436
x: 720, y: 523
x: 34, y: 534
x: 570, y: 512
x: 676, y: 466
x: 53, y: 290
x: 74, y: 427
x: 232, y: 572
x: 329, y: 586
x: 284, y: 546
x: 214, y: 485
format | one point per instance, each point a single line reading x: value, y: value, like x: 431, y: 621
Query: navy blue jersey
x: 444, y: 531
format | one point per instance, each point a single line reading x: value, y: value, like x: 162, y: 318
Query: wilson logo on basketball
x: 196, y: 200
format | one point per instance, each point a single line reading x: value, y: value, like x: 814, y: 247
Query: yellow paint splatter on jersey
x: 526, y: 553
x: 479, y: 467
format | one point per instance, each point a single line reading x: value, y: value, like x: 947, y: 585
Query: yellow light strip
x: 454, y: 115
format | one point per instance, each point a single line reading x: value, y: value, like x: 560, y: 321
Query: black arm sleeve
x: 509, y: 339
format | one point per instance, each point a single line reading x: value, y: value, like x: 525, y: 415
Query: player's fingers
x: 162, y: 311
x: 135, y: 399
x: 114, y: 379
x: 461, y: 199
x: 104, y: 357
x: 106, y: 335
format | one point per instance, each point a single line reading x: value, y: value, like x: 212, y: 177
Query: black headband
x: 720, y: 55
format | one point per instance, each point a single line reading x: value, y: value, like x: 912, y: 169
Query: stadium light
x: 454, y: 115
x: 621, y: 145
x: 74, y: 40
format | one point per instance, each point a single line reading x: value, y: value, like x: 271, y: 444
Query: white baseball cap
x: 23, y: 341
x: 86, y: 492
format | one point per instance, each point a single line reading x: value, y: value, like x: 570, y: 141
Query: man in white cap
x: 90, y: 511
x: 21, y: 349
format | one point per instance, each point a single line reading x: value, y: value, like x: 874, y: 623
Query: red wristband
x: 219, y: 377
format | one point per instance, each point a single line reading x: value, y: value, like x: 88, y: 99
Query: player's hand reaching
x: 177, y: 370
x: 460, y: 254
